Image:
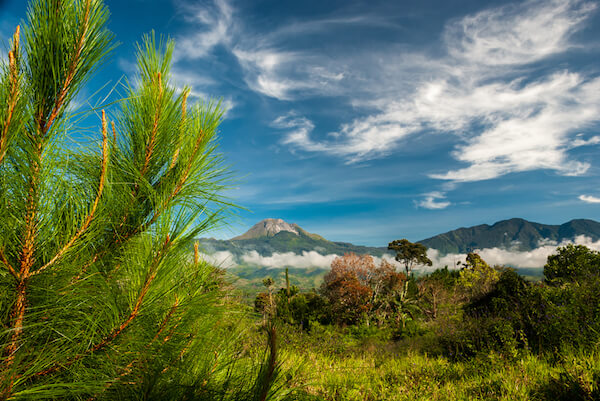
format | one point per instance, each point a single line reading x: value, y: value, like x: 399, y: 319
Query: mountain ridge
x: 516, y: 233
x: 271, y: 236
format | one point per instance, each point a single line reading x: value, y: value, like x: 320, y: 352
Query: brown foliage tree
x: 357, y: 288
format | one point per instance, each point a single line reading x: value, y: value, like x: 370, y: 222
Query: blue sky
x: 372, y: 121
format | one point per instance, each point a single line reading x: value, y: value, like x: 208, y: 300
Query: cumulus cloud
x: 226, y: 259
x: 589, y: 199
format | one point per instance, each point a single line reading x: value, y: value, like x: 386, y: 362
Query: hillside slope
x: 518, y: 234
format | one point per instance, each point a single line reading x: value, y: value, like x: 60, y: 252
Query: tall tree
x: 98, y: 296
x: 409, y: 255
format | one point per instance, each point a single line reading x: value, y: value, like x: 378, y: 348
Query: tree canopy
x: 410, y: 254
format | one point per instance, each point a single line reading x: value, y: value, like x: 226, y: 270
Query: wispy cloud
x: 434, y: 201
x: 269, y: 68
x: 518, y: 33
x: 589, y: 199
x: 263, y: 71
x: 214, y: 27
x: 507, y: 115
x: 486, y: 88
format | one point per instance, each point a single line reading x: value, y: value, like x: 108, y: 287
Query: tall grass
x: 376, y: 370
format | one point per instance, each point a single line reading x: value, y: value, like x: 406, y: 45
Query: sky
x: 371, y: 121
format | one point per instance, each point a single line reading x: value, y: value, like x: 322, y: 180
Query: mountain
x: 517, y: 234
x: 271, y: 236
x: 272, y: 227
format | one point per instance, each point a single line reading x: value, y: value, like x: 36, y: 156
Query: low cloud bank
x: 226, y: 259
x: 499, y: 256
x: 289, y: 259
x: 494, y: 256
x: 222, y: 259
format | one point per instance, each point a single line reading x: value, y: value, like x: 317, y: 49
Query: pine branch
x: 14, y: 91
x: 27, y: 258
x: 183, y: 118
x: 148, y: 153
x: 118, y: 330
x: 46, y: 124
x: 127, y: 369
x: 53, y: 221
x: 6, y: 263
x: 181, y: 182
x: 152, y: 142
x: 90, y: 215
x: 114, y: 132
x: 181, y: 354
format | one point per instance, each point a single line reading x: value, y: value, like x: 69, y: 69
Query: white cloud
x: 514, y: 35
x: 506, y: 117
x: 493, y: 256
x: 499, y: 256
x: 262, y: 70
x: 433, y: 200
x: 222, y: 259
x: 268, y: 70
x: 290, y: 259
x: 507, y: 114
x: 213, y: 28
x: 589, y: 199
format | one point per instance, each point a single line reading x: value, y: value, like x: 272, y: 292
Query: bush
x: 572, y: 263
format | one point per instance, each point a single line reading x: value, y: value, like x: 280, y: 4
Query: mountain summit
x: 267, y: 228
x: 272, y: 227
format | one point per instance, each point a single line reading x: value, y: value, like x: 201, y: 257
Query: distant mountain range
x: 517, y: 234
x: 277, y: 236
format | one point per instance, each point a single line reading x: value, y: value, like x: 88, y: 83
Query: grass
x: 352, y: 369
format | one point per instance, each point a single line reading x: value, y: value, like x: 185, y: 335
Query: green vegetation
x: 247, y: 280
x: 99, y: 298
x: 337, y: 365
x: 481, y: 332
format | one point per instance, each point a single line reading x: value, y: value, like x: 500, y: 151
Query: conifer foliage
x: 99, y: 298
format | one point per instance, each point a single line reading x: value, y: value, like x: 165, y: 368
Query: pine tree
x: 99, y: 297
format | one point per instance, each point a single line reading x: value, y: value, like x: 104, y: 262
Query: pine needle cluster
x: 99, y: 296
